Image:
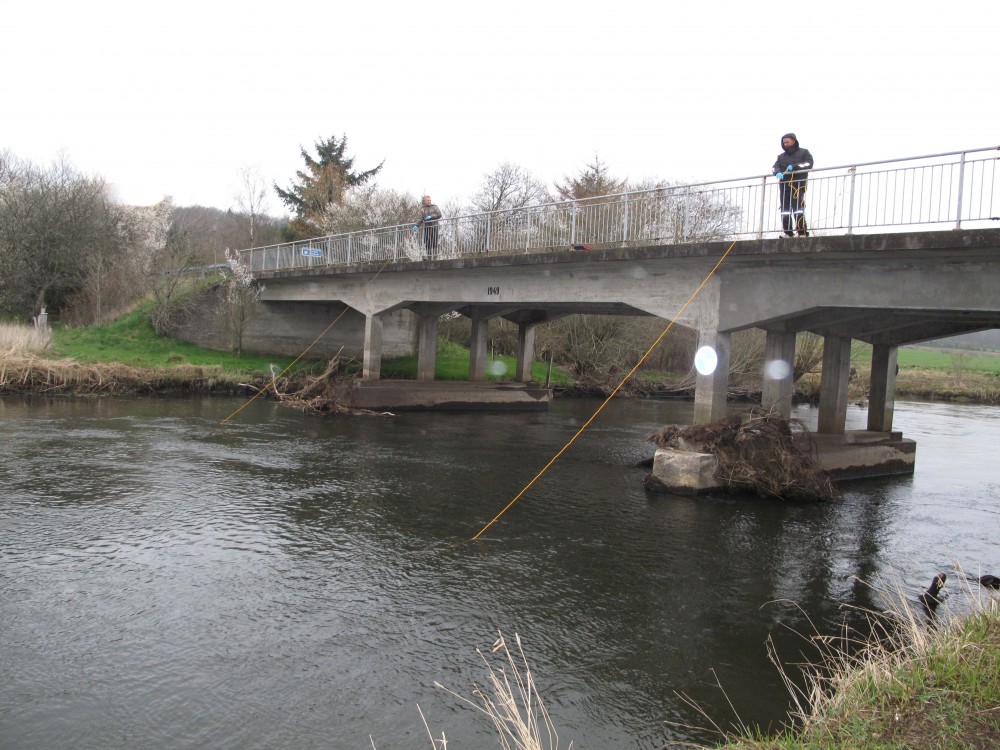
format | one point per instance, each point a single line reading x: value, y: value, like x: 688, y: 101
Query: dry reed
x: 26, y: 374
x: 23, y: 340
x: 511, y: 701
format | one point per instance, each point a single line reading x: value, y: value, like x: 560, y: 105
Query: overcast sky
x: 175, y: 98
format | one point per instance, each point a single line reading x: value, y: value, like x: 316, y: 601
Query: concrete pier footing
x: 414, y: 395
x: 855, y: 454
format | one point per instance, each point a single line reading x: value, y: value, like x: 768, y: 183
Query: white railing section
x: 956, y: 189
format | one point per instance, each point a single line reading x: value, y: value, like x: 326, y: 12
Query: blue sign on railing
x: 312, y: 252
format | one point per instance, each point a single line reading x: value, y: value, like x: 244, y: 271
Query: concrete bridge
x: 901, y: 252
x: 885, y: 289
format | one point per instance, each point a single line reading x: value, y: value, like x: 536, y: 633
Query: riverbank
x: 26, y: 374
x: 31, y: 375
x: 128, y: 357
x: 918, y: 680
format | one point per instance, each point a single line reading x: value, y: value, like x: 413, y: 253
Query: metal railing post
x: 763, y: 201
x: 961, y: 186
x: 489, y: 231
x: 850, y: 204
x: 687, y: 214
x: 350, y: 246
x: 625, y: 220
x: 572, y: 223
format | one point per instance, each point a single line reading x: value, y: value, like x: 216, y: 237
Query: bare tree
x: 509, y: 187
x: 808, y: 354
x: 114, y: 271
x: 251, y: 200
x: 51, y: 221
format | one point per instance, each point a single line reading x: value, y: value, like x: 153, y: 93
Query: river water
x: 290, y: 581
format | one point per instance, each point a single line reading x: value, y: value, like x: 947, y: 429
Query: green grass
x: 910, y: 358
x: 452, y: 363
x: 131, y: 340
x: 911, y: 686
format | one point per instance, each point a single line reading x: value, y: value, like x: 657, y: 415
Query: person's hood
x: 794, y: 145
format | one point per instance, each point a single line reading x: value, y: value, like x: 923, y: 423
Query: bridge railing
x: 956, y: 189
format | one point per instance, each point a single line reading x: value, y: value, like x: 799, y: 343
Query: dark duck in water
x: 931, y: 598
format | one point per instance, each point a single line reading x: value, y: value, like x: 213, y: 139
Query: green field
x: 911, y: 358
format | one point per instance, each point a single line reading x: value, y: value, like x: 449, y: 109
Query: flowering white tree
x: 240, y: 300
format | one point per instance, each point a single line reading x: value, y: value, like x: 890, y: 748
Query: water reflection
x: 287, y: 580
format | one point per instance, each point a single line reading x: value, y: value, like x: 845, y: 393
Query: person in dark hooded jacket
x: 792, y: 170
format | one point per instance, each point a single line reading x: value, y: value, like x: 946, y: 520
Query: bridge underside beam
x: 890, y: 327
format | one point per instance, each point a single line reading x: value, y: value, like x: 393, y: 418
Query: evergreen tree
x: 322, y: 183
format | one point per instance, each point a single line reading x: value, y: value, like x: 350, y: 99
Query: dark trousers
x: 793, y: 203
x: 430, y: 232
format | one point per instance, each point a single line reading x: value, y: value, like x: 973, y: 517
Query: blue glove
x: 779, y: 175
x: 789, y: 168
x: 428, y: 217
x: 414, y: 227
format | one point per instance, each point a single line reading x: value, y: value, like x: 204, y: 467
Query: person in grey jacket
x: 792, y: 170
x: 428, y: 226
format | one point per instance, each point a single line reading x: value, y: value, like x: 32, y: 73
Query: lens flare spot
x: 706, y: 360
x: 777, y: 369
x: 497, y: 368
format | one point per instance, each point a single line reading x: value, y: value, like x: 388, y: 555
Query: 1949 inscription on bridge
x: 490, y: 290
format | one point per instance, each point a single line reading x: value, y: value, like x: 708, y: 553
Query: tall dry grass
x: 510, y: 701
x: 18, y: 340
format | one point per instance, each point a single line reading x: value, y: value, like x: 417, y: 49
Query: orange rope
x: 605, y: 403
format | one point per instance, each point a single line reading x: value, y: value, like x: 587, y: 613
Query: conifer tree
x: 322, y: 183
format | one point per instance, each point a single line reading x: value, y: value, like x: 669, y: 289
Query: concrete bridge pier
x: 711, y: 389
x: 525, y: 351
x: 477, y: 344
x: 882, y: 390
x: 833, y: 385
x: 427, y: 326
x: 372, y: 358
x: 778, y: 382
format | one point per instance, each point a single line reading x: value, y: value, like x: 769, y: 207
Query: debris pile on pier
x: 756, y: 452
x: 322, y: 394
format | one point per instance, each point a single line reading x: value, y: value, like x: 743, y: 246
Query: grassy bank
x: 127, y: 356
x: 124, y: 357
x: 913, y: 684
